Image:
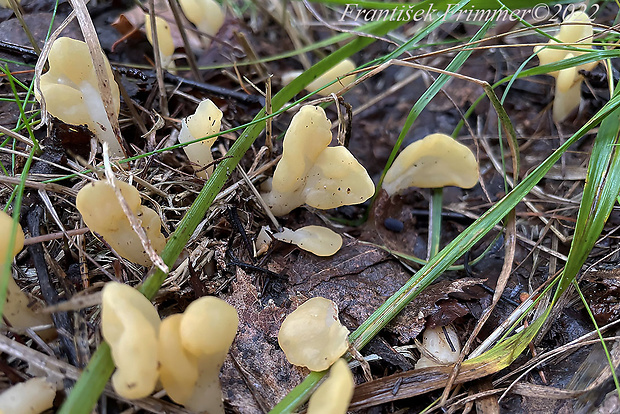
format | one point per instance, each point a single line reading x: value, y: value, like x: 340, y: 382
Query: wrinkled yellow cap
x: 207, y: 15
x: 164, y: 40
x: 6, y: 225
x: 130, y: 324
x: 314, y: 239
x: 435, y: 161
x: 436, y: 344
x: 195, y: 345
x: 334, y: 394
x: 102, y: 213
x: 30, y: 397
x: 312, y: 336
x: 71, y: 90
x: 206, y: 121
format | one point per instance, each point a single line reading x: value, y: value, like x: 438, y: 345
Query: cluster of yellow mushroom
x: 102, y: 212
x: 576, y: 28
x: 184, y: 351
x: 313, y: 173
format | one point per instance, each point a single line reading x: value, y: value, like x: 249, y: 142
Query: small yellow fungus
x: 206, y: 121
x: 337, y: 73
x: 311, y: 172
x: 31, y: 397
x: 178, y: 369
x: 130, y: 324
x: 164, y: 41
x: 16, y: 308
x: 207, y: 15
x: 435, y: 342
x: 204, y: 333
x: 334, y: 394
x: 315, y: 239
x: 432, y: 162
x: 102, y: 213
x: 71, y: 91
x: 576, y: 28
x: 312, y: 336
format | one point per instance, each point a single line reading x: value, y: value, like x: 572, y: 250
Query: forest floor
x: 372, y: 265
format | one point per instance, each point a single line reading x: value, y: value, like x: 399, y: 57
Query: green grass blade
x: 599, y: 196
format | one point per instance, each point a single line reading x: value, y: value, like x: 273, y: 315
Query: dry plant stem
x: 90, y: 36
x: 510, y: 248
x: 16, y: 136
x: 18, y: 13
x: 260, y: 200
x: 163, y: 99
x: 191, y: 59
x: 133, y: 220
x: 59, y: 370
x: 41, y: 186
x: 54, y: 236
x: 268, y: 112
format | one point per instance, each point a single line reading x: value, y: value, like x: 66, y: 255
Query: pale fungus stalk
x: 164, y: 41
x: 102, y: 213
x: 312, y: 336
x: 310, y: 172
x: 16, y: 308
x: 337, y: 74
x: 576, y: 28
x: 334, y: 395
x: 31, y: 397
x: 207, y: 15
x: 206, y: 121
x: 314, y: 239
x: 442, y: 344
x: 436, y: 161
x: 199, y: 340
x: 71, y: 91
x: 130, y: 324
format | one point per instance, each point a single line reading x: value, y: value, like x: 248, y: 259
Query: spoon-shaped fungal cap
x: 130, y: 324
x: 206, y: 331
x: 435, y: 161
x: 207, y: 15
x: 312, y: 336
x: 178, y: 369
x: 6, y: 225
x: 334, y: 394
x: 71, y: 90
x: 206, y: 121
x: 436, y: 344
x: 164, y: 40
x: 314, y: 239
x: 313, y: 173
x: 17, y: 309
x: 337, y: 73
x: 102, y: 213
x: 31, y: 397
